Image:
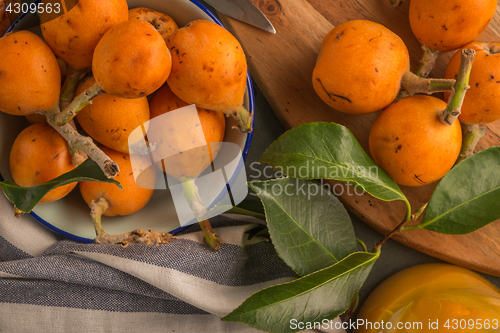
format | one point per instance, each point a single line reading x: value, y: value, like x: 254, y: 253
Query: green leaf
x: 309, y: 227
x: 26, y: 198
x: 322, y: 295
x: 467, y: 198
x: 330, y: 151
x: 249, y: 208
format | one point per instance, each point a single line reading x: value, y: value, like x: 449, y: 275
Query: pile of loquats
x: 101, y: 70
x: 363, y: 67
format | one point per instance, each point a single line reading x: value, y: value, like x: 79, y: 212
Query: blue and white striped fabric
x: 48, y: 284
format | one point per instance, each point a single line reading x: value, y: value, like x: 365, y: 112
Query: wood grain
x: 282, y: 64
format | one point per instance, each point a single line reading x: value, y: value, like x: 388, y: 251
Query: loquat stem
x: 209, y: 235
x: 428, y: 61
x: 78, y: 103
x: 390, y: 234
x: 396, y: 3
x: 77, y: 141
x: 96, y: 210
x: 69, y: 87
x: 244, y: 118
x: 452, y: 111
x: 138, y: 236
x: 413, y: 84
x: 471, y: 134
x: 192, y: 196
x: 77, y: 156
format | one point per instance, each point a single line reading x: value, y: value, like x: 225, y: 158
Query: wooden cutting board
x: 282, y: 64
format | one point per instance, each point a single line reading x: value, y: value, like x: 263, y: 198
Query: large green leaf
x: 309, y: 227
x: 467, y: 198
x: 25, y: 198
x: 320, y: 296
x: 330, y: 151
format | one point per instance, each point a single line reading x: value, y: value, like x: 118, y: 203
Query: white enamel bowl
x: 70, y: 217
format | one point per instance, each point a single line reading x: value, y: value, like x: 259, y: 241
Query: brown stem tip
x: 111, y: 169
x: 138, y: 236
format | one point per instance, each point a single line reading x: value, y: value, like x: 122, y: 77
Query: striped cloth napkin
x: 49, y: 284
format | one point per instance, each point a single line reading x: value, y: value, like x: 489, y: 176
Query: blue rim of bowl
x: 244, y: 153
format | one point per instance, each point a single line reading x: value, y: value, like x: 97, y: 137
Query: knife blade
x: 243, y: 10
